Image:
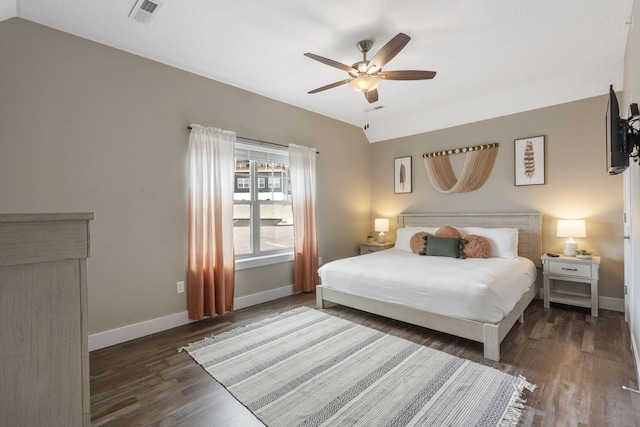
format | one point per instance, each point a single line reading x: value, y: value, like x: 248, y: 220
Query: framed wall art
x: 529, y: 161
x: 402, y: 175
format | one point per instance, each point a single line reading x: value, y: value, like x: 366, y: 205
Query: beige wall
x: 84, y: 127
x: 576, y: 183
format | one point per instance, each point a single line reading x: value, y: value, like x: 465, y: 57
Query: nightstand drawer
x: 570, y: 269
x: 367, y: 248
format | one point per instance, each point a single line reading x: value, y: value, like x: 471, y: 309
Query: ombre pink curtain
x: 303, y: 196
x: 211, y: 270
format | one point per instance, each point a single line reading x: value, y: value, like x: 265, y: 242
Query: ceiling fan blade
x: 407, y: 75
x: 332, y: 85
x: 388, y: 51
x: 371, y: 95
x: 331, y: 62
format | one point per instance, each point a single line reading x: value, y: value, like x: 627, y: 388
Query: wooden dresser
x: 44, y: 356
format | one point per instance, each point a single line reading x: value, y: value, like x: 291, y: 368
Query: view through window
x: 262, y: 214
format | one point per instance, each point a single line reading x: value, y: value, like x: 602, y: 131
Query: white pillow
x: 503, y: 241
x: 404, y: 235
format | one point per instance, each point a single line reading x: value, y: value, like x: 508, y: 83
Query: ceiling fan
x: 366, y: 75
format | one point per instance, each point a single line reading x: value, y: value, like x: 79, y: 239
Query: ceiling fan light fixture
x: 364, y: 83
x: 362, y: 66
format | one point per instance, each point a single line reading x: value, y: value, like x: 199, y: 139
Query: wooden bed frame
x: 529, y: 226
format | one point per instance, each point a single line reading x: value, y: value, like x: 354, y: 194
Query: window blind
x: 259, y: 153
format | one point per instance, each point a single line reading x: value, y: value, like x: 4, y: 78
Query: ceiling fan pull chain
x: 366, y: 118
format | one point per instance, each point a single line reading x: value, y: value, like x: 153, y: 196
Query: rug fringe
x: 512, y: 414
x: 239, y: 329
x: 197, y: 344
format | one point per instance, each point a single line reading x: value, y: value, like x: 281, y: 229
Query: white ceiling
x: 493, y: 57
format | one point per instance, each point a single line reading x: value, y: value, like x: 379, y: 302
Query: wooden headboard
x: 529, y: 227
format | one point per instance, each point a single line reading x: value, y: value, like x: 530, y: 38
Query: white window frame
x: 256, y: 155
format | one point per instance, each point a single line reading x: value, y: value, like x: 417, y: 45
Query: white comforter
x: 484, y: 290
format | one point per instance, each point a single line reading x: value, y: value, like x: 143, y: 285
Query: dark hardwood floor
x: 578, y: 362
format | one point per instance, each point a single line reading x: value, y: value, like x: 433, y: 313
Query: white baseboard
x: 614, y: 304
x: 148, y: 327
x: 137, y: 330
x: 259, y: 298
x: 636, y: 357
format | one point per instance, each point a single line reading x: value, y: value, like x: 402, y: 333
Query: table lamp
x: 381, y: 225
x: 571, y: 228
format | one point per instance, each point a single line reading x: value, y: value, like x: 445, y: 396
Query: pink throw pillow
x: 476, y: 247
x: 448, y: 231
x: 417, y: 241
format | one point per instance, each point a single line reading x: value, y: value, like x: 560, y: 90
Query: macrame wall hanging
x: 477, y: 168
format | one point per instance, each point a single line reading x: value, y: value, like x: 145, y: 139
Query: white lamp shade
x: 364, y: 83
x: 571, y: 228
x: 382, y: 224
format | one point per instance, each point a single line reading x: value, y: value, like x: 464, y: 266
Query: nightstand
x: 571, y: 269
x: 366, y: 248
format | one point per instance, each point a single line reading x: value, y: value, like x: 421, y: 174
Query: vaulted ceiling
x: 492, y: 57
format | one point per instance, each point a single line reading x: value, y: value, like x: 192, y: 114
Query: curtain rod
x: 460, y: 150
x: 257, y: 141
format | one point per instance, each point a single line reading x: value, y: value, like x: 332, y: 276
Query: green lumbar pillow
x: 444, y: 246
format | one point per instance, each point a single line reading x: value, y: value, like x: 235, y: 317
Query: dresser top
x: 46, y: 217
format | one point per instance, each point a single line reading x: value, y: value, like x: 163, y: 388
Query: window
x: 274, y: 183
x: 263, y: 216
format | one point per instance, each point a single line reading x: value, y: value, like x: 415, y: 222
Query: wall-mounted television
x: 617, y: 152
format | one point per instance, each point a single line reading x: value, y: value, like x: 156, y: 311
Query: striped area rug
x: 307, y: 368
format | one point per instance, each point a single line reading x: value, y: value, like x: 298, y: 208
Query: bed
x: 370, y: 283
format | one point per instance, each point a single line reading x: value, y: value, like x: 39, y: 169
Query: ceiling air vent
x: 145, y: 11
x: 379, y: 107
